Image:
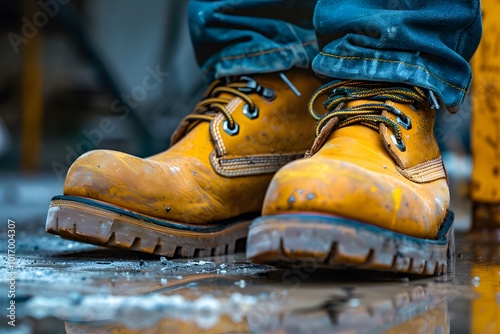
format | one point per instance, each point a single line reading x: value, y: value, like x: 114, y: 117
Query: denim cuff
x: 263, y: 58
x: 405, y: 68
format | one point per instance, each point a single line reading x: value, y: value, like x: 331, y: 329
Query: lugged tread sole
x: 332, y: 242
x: 102, y: 224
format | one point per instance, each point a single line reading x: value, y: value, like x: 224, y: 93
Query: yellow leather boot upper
x: 223, y: 155
x: 362, y: 168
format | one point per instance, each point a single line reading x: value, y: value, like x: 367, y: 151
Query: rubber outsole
x: 333, y: 242
x: 99, y: 223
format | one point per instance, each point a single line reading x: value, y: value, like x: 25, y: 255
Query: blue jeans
x: 426, y: 43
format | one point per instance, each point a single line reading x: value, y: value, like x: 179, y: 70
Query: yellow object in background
x: 485, y: 99
x: 32, y: 97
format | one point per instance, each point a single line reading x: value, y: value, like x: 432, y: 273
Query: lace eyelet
x: 405, y: 124
x: 268, y: 93
x: 250, y: 114
x: 232, y: 132
x: 253, y: 86
x: 400, y: 145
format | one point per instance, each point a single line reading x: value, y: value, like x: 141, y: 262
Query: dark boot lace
x: 369, y: 114
x: 213, y: 103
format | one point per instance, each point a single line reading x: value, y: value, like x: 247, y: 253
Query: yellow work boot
x: 198, y: 197
x: 372, y: 192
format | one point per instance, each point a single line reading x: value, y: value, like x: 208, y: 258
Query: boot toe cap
x: 378, y: 197
x: 167, y: 190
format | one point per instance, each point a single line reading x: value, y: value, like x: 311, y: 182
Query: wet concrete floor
x: 67, y: 287
x: 63, y: 286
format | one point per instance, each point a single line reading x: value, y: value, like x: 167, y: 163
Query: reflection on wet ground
x: 64, y: 286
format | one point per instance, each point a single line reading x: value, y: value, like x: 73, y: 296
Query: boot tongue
x: 401, y: 116
x: 419, y: 145
x: 364, y: 133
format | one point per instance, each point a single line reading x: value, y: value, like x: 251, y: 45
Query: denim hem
x: 260, y: 61
x: 451, y: 94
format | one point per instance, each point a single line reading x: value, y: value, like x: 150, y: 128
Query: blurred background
x: 117, y: 74
x: 65, y: 63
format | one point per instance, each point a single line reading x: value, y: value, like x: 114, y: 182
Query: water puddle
x: 74, y: 288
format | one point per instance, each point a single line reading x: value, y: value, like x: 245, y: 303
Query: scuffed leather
x: 180, y: 184
x: 354, y: 176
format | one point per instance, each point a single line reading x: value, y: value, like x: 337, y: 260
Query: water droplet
x: 168, y: 209
x: 241, y: 283
x: 354, y: 302
x: 476, y: 281
x: 310, y: 196
x: 207, y: 310
x: 291, y: 199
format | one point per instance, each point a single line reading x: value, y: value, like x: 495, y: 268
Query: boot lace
x: 369, y: 114
x: 213, y: 103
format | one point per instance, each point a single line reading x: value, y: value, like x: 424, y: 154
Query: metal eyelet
x: 405, y: 124
x: 251, y: 85
x: 268, y: 93
x: 232, y: 132
x: 400, y: 145
x: 250, y: 114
